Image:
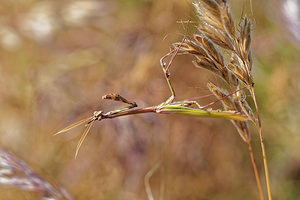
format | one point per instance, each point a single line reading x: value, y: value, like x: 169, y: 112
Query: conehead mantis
x: 167, y: 107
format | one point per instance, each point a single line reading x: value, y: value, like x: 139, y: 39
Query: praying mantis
x: 167, y: 107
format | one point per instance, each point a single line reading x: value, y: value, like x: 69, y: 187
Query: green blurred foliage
x: 57, y: 58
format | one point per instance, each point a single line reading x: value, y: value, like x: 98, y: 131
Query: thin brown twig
x: 262, y: 145
x: 253, y: 164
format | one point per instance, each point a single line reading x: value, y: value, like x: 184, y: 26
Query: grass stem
x: 262, y: 145
x: 254, y: 165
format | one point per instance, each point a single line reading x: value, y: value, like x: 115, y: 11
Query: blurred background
x: 57, y: 58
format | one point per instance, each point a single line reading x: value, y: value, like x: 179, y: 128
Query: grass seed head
x: 216, y: 35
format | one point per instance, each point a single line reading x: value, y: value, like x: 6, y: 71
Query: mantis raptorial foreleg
x: 117, y: 97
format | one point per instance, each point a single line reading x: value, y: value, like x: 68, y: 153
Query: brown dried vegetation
x: 217, y: 35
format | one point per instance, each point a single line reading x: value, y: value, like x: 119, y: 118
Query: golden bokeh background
x: 57, y: 58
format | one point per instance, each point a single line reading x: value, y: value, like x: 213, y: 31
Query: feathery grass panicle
x: 216, y: 35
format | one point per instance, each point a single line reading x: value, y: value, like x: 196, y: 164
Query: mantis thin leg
x: 86, y: 131
x: 167, y: 74
x: 188, y: 104
x: 166, y: 68
x: 220, y: 99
